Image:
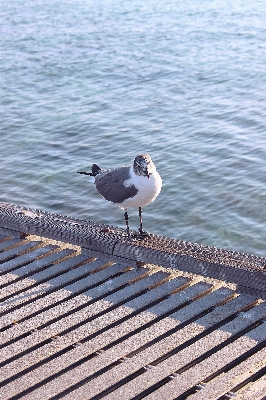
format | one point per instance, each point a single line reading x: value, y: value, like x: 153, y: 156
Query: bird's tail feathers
x: 94, y: 171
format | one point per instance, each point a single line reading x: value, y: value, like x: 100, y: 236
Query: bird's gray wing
x: 110, y: 185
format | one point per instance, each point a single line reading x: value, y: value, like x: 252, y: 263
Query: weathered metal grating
x: 93, y: 326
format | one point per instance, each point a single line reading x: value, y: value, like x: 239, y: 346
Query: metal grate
x: 84, y: 326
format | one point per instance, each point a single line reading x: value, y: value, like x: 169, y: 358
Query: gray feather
x: 110, y: 184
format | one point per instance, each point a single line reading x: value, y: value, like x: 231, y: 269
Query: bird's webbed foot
x: 143, y: 233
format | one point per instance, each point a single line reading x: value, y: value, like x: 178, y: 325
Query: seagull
x: 135, y: 185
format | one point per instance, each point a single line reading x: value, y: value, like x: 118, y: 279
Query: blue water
x: 102, y: 81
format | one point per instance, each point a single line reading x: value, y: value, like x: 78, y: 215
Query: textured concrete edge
x: 11, y: 232
x: 17, y: 221
x: 246, y: 280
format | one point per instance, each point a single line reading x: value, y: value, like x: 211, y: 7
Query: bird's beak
x: 148, y: 173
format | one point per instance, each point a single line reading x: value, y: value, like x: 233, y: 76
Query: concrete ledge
x: 245, y: 270
x: 11, y: 232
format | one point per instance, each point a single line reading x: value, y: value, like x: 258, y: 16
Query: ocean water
x: 87, y: 82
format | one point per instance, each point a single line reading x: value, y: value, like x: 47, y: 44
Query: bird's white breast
x: 148, y: 189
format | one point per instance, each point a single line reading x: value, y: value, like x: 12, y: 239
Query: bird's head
x: 143, y: 165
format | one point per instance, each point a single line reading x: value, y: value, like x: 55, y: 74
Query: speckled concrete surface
x: 189, y: 378
x: 79, y: 325
x: 254, y: 391
x: 227, y: 381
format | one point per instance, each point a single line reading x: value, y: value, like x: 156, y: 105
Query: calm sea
x: 87, y: 81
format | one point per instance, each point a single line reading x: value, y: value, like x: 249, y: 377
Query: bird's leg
x: 142, y: 233
x: 140, y: 221
x: 127, y: 225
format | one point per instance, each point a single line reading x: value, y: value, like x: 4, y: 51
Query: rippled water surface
x: 101, y: 81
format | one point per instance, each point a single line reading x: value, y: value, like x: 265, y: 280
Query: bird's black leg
x: 140, y: 221
x: 127, y: 225
x: 141, y: 231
